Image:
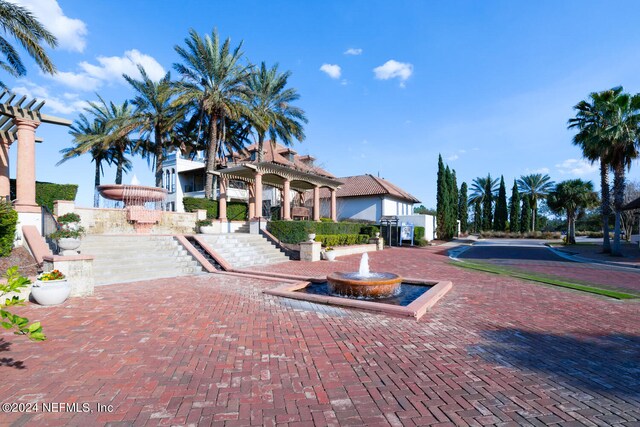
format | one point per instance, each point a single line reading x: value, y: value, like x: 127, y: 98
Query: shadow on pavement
x: 512, y: 253
x: 9, y: 362
x: 609, y: 363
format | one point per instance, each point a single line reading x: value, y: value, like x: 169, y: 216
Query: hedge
x: 8, y: 221
x: 297, y: 231
x: 418, y: 234
x: 235, y: 210
x: 342, y: 239
x: 48, y: 192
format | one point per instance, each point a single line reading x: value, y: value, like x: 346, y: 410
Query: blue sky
x: 386, y: 85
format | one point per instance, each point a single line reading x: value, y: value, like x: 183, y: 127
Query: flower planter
x: 69, y: 245
x: 73, y: 226
x: 331, y: 255
x: 207, y: 229
x: 51, y: 292
x: 312, y: 237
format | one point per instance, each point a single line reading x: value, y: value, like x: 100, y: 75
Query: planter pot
x: 70, y: 226
x: 312, y: 237
x: 69, y: 246
x: 207, y: 229
x: 331, y: 255
x: 377, y: 235
x: 51, y: 292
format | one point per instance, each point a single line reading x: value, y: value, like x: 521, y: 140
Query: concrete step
x: 243, y: 250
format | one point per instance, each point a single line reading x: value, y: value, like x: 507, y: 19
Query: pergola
x: 279, y: 176
x: 19, y: 121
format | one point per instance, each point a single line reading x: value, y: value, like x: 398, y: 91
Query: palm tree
x: 155, y: 116
x: 623, y: 131
x: 592, y: 120
x: 214, y: 81
x: 572, y: 197
x: 18, y: 22
x: 271, y: 110
x: 81, y: 129
x: 535, y: 186
x: 483, y: 190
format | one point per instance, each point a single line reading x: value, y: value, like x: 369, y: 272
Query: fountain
x: 135, y: 196
x: 364, y: 284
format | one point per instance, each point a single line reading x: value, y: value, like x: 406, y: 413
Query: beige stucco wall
x: 114, y: 221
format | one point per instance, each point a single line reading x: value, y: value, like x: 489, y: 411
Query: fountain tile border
x: 416, y: 309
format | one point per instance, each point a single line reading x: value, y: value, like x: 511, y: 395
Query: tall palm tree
x: 155, y: 116
x: 592, y: 120
x: 624, y: 132
x: 213, y: 80
x: 20, y: 23
x: 536, y: 186
x: 81, y: 128
x: 271, y: 110
x: 483, y: 190
x: 572, y: 197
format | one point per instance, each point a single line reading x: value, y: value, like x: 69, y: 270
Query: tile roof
x: 368, y: 185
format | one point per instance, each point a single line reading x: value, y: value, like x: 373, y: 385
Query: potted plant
x: 205, y: 226
x: 330, y: 254
x: 69, y: 221
x: 312, y: 237
x: 68, y: 240
x: 51, y: 288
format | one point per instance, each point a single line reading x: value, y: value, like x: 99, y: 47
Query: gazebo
x: 280, y: 176
x: 19, y: 121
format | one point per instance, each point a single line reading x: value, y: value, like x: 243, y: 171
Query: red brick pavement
x: 214, y: 350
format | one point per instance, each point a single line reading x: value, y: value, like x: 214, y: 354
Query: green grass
x: 541, y: 279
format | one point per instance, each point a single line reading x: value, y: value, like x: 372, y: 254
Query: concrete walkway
x: 215, y: 350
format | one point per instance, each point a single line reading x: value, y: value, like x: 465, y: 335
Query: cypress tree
x: 477, y: 217
x: 514, y: 209
x: 441, y: 199
x: 525, y: 217
x: 453, y: 204
x: 487, y: 205
x: 500, y: 222
x: 463, y: 209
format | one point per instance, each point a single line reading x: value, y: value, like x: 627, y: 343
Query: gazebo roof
x: 274, y: 174
x: 10, y: 109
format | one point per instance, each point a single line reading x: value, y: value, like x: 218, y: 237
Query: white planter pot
x: 207, y: 229
x: 70, y: 226
x: 312, y: 237
x: 51, y: 292
x: 377, y: 234
x: 331, y: 255
x: 69, y: 246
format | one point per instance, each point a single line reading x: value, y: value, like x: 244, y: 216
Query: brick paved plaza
x: 215, y: 350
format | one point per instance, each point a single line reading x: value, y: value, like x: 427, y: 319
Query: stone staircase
x: 131, y: 258
x: 242, y: 250
x: 243, y: 229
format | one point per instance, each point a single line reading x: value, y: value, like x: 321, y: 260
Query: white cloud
x: 109, y: 70
x: 70, y: 32
x: 539, y: 170
x: 332, y: 70
x: 394, y: 69
x: 70, y: 103
x: 453, y: 157
x: 353, y: 51
x: 576, y: 167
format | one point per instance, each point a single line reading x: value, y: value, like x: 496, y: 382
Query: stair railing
x: 49, y: 225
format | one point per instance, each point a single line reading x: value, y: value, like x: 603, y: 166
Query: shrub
x: 342, y: 239
x: 8, y: 221
x: 369, y: 230
x: 67, y: 233
x: 68, y: 218
x: 326, y: 220
x: 203, y: 223
x: 528, y: 235
x: 336, y: 227
x: 235, y: 210
x: 418, y: 234
x: 48, y: 192
x: 290, y: 231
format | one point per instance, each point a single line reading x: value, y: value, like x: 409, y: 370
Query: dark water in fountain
x: 406, y: 295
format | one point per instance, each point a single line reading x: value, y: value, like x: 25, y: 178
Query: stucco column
x: 286, y: 202
x: 316, y: 203
x: 26, y: 166
x: 258, y: 197
x: 334, y: 210
x: 222, y: 200
x: 4, y: 167
x: 252, y: 205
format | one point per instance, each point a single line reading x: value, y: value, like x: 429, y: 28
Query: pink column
x: 334, y: 211
x: 222, y: 200
x: 4, y: 167
x: 258, y: 192
x: 252, y: 205
x: 316, y: 203
x: 286, y: 203
x: 26, y: 166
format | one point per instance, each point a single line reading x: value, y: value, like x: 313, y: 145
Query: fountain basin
x: 371, y: 286
x: 135, y: 195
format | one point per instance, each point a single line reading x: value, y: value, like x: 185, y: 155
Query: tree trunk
x: 534, y: 212
x: 212, y: 150
x: 606, y: 205
x: 159, y: 152
x: 96, y: 184
x: 571, y: 229
x: 618, y: 200
x: 119, y: 167
x: 260, y: 146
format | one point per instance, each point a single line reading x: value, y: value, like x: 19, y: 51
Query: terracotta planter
x: 51, y: 292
